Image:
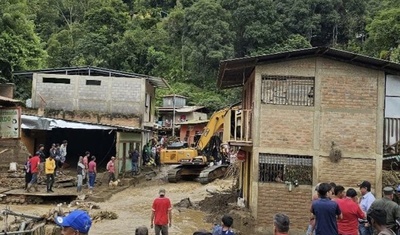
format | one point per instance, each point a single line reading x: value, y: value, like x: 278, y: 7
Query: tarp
x: 42, y: 123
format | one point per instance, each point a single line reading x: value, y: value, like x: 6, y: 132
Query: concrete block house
x: 309, y: 116
x: 105, y: 111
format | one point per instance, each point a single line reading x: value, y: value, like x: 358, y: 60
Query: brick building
x: 311, y: 115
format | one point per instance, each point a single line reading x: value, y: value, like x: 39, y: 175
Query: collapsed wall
x: 12, y: 150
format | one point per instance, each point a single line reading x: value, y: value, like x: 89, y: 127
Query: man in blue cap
x: 77, y: 222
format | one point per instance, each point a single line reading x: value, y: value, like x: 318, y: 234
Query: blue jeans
x: 135, y: 168
x: 365, y: 230
x: 92, y: 178
x: 34, y: 178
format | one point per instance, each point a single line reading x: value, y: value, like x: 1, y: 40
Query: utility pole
x: 173, y: 116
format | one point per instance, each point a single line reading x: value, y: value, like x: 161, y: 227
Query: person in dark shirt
x: 135, y: 162
x: 42, y: 157
x: 326, y: 212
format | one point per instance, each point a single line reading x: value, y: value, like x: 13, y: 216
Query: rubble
x: 102, y: 215
x: 79, y: 204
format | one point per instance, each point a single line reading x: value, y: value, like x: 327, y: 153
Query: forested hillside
x: 184, y: 40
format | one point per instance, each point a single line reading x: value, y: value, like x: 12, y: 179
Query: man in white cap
x: 77, y: 222
x: 161, y: 215
x: 387, y: 204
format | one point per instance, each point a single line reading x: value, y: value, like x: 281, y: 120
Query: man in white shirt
x: 366, y: 200
x: 63, y: 153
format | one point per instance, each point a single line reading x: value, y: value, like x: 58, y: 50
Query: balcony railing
x: 391, y: 136
x: 240, y: 130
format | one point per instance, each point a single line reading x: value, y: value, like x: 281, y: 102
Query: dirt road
x: 133, y: 207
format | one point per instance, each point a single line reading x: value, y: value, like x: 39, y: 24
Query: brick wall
x: 345, y: 112
x: 349, y: 91
x: 286, y: 128
x: 113, y: 95
x: 274, y: 198
x: 347, y: 172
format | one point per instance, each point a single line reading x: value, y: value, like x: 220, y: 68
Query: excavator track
x: 211, y: 173
x: 174, y: 174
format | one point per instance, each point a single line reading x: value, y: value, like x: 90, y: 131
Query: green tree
x: 384, y: 33
x: 207, y: 39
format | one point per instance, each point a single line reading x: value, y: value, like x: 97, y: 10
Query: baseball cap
x: 365, y: 184
x: 161, y: 192
x: 77, y: 219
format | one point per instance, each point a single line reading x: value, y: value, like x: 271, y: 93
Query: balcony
x: 391, y: 136
x: 240, y: 133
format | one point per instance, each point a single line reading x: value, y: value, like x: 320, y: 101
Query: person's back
x: 325, y: 211
x: 35, y: 160
x: 351, y: 213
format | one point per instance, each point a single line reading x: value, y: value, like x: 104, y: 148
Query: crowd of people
x: 50, y: 166
x: 337, y: 211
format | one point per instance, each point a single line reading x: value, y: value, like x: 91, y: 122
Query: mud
x: 196, y: 207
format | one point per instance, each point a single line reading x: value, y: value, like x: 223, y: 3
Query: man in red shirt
x: 34, y: 164
x: 351, y: 212
x: 161, y: 215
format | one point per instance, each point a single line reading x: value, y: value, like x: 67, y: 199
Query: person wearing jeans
x: 135, y: 162
x: 92, y: 174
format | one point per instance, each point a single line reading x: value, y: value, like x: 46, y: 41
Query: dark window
x: 93, y: 82
x: 57, y: 80
x: 280, y: 168
x: 288, y: 90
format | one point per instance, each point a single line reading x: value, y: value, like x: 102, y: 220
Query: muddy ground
x: 196, y: 206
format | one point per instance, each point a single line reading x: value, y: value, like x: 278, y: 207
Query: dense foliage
x: 184, y: 40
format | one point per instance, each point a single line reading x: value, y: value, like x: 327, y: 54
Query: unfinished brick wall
x: 351, y: 132
x: 286, y: 128
x: 275, y: 198
x: 347, y: 172
x: 345, y: 112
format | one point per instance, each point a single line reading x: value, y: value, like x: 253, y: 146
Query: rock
x: 184, y: 203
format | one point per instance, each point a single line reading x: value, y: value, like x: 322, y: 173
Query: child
x: 225, y: 227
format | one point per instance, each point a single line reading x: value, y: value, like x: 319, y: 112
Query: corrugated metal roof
x: 95, y: 71
x: 184, y: 109
x: 44, y: 123
x: 9, y: 100
x: 233, y: 72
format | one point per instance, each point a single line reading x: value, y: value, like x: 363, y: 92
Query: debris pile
x: 79, y: 204
x: 21, y: 222
x: 102, y: 215
x: 390, y: 178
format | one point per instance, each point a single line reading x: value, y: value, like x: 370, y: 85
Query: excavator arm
x: 215, y: 123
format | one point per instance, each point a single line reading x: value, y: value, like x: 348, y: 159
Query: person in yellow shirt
x: 50, y: 166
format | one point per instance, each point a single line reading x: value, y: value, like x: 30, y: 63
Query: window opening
x: 57, y: 80
x: 93, y: 82
x: 280, y: 168
x: 288, y: 90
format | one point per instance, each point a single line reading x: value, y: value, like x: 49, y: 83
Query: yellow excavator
x: 204, y: 162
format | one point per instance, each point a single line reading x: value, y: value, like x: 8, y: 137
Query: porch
x: 240, y: 131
